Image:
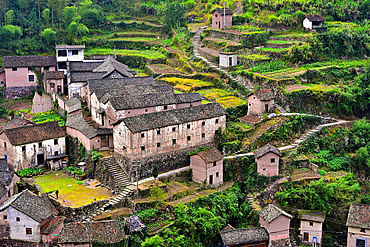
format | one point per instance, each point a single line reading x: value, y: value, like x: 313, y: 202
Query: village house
x: 165, y: 131
x: 256, y: 237
x: 260, y: 102
x: 267, y: 158
x: 228, y: 59
x: 29, y: 217
x: 358, y: 223
x: 84, y: 234
x: 15, y: 123
x: 68, y: 53
x: 311, y: 226
x: 312, y: 21
x: 8, y: 181
x: 207, y: 166
x: 34, y: 145
x: 54, y: 81
x: 41, y: 103
x: 21, y: 74
x: 222, y: 18
x: 277, y: 223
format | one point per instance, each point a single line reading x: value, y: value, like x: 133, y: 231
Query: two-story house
x: 34, y: 145
x: 358, y: 223
x: 311, y: 226
x: 267, y: 159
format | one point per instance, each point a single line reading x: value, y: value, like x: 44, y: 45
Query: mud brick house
x: 222, y: 18
x: 312, y: 21
x: 90, y: 137
x: 311, y: 226
x: 80, y: 72
x: 28, y: 217
x: 41, y: 103
x: 260, y: 102
x: 20, y: 74
x: 8, y: 181
x: 277, y: 223
x: 84, y: 234
x: 267, y: 158
x: 54, y: 81
x: 34, y: 145
x: 257, y: 237
x: 358, y: 223
x: 207, y: 166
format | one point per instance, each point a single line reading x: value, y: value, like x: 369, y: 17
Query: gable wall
x: 18, y: 229
x: 265, y: 167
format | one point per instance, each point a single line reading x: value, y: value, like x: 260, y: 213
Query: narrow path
x: 302, y: 139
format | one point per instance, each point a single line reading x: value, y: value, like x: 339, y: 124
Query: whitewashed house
x: 312, y: 21
x: 68, y: 53
x: 228, y: 59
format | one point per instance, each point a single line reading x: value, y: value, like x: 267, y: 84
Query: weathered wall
x: 354, y: 233
x: 41, y: 103
x: 278, y: 228
x: 266, y: 167
x: 56, y: 82
x: 88, y: 143
x: 18, y: 228
x: 257, y: 107
x: 202, y: 171
x: 218, y: 21
x: 12, y: 189
x: 18, y: 92
x: 315, y: 230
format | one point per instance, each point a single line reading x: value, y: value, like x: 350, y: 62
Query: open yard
x: 71, y: 193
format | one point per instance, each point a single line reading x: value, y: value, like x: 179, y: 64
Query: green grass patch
x: 292, y: 35
x: 187, y: 85
x: 268, y: 49
x: 246, y: 28
x: 254, y: 57
x: 280, y: 42
x: 49, y: 116
x: 135, y: 39
x: 225, y: 98
x: 149, y: 54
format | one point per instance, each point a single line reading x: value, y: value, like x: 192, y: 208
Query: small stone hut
x: 312, y: 21
x: 228, y: 59
x: 260, y: 102
x: 311, y: 226
x: 257, y: 236
x: 207, y: 165
x: 218, y: 20
x: 267, y: 158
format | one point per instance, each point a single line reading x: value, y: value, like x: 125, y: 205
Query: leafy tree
x: 95, y: 155
x: 49, y: 35
x: 9, y: 16
x: 174, y: 15
x: 155, y: 241
x: 69, y: 15
x: 157, y: 194
x: 46, y: 16
x: 10, y: 32
x: 155, y: 172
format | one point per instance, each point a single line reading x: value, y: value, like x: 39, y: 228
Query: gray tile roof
x: 69, y: 46
x: 211, y: 155
x: 76, y: 121
x: 29, y: 61
x: 85, y: 76
x: 85, y: 232
x: 38, y: 208
x: 142, y: 101
x: 359, y: 216
x: 49, y: 75
x: 188, y: 97
x: 110, y: 64
x: 312, y: 215
x: 74, y: 104
x: 173, y: 117
x: 265, y: 95
x: 83, y: 66
x: 16, y: 122
x: 271, y: 212
x: 266, y: 149
x: 244, y: 236
x: 113, y: 83
x: 6, y: 177
x: 312, y: 18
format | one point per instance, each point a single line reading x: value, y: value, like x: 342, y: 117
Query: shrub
x: 29, y: 172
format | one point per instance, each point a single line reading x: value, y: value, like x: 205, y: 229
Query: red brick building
x: 222, y: 19
x: 207, y: 166
x: 267, y: 158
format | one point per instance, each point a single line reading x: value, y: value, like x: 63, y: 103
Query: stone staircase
x: 281, y: 109
x: 120, y: 177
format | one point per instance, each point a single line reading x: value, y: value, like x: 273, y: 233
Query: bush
x: 30, y: 172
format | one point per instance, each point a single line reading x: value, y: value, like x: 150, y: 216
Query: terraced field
x: 150, y: 54
x: 285, y: 73
x: 187, y: 85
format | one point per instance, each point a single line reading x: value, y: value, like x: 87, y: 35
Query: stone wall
x: 18, y: 92
x: 165, y: 162
x: 223, y: 35
x: 18, y: 243
x: 280, y: 242
x: 209, y: 57
x: 101, y: 173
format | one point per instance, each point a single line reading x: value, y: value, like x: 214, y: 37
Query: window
x: 215, y: 15
x: 254, y: 97
x: 24, y: 149
x: 158, y: 132
x: 55, y: 141
x: 188, y: 138
x: 5, y: 146
x: 62, y: 53
x: 216, y: 131
x: 203, y: 135
x: 173, y: 129
x: 146, y: 110
x: 216, y: 121
x: 217, y: 174
x: 74, y: 53
x: 40, y: 144
x: 14, y: 69
x: 129, y: 112
x: 158, y: 145
x: 363, y: 230
x: 214, y: 163
x: 31, y: 78
x: 173, y: 141
x: 142, y: 148
x: 360, y: 242
x: 203, y: 123
x: 124, y: 148
x: 272, y: 160
x: 28, y: 231
x: 165, y: 107
x: 5, y: 217
x: 249, y: 104
x: 305, y: 236
x: 311, y: 223
x: 18, y: 219
x: 142, y: 135
x: 188, y: 126
x: 7, y: 229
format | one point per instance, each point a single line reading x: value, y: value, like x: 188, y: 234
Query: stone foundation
x: 165, y: 162
x: 18, y: 92
x: 280, y: 242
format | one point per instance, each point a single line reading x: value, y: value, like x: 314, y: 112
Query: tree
x: 46, y: 16
x: 155, y: 172
x: 174, y: 15
x: 9, y: 16
x: 49, y: 35
x: 69, y: 15
x: 155, y: 241
x: 10, y: 32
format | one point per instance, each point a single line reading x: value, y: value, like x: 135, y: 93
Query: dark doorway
x: 219, y: 25
x: 230, y: 61
x: 266, y: 108
x: 6, y: 157
x: 59, y: 89
x: 40, y: 159
x: 102, y: 120
x: 105, y: 141
x: 210, y: 179
x: 305, y: 236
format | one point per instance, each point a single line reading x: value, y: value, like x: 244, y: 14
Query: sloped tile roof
x: 83, y: 66
x: 210, y: 155
x: 110, y: 64
x: 49, y: 75
x: 271, y: 212
x: 51, y: 224
x: 134, y: 224
x: 142, y: 101
x: 85, y: 76
x: 76, y: 121
x: 312, y: 18
x: 221, y: 11
x: 312, y: 215
x: 84, y: 232
x: 38, y: 208
x: 244, y: 236
x: 188, y: 97
x: 4, y: 166
x: 266, y: 149
x: 34, y: 133
x: 359, y: 216
x: 74, y: 104
x: 29, y: 61
x: 6, y: 177
x: 16, y: 122
x: 173, y: 117
x: 117, y: 83
x: 69, y: 46
x: 264, y: 95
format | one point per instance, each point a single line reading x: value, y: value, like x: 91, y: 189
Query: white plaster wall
x: 74, y: 87
x: 18, y: 228
x: 313, y: 231
x: 307, y: 24
x: 70, y: 57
